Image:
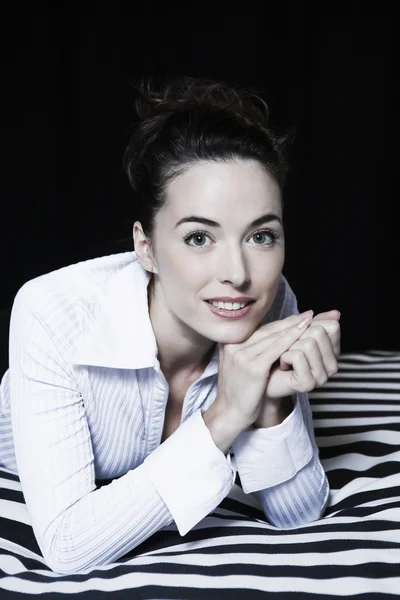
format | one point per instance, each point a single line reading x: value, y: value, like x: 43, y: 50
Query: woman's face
x: 195, y: 262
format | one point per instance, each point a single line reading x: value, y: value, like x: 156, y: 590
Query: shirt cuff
x: 265, y: 457
x: 190, y: 473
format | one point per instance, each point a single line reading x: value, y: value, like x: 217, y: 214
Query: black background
x: 329, y: 69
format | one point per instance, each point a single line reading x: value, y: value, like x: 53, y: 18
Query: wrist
x: 274, y: 411
x: 223, y: 427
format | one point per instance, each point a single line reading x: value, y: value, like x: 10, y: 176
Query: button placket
x: 192, y: 402
x: 157, y: 410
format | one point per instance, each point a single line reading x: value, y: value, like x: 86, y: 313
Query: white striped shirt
x: 84, y: 400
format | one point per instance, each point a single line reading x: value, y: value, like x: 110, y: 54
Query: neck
x: 185, y: 369
x: 188, y: 354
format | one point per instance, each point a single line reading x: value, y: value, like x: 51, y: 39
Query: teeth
x: 228, y: 305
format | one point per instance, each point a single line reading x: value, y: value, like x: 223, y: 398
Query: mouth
x: 230, y: 313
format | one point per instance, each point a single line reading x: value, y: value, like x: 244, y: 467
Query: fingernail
x: 304, y: 322
x: 307, y: 313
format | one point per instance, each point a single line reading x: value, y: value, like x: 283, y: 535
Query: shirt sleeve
x: 280, y: 464
x: 77, y: 525
x: 201, y: 476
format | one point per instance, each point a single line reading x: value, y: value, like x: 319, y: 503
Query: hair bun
x: 186, y: 93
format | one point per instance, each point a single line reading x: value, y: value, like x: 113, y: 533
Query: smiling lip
x: 226, y: 299
x: 230, y: 314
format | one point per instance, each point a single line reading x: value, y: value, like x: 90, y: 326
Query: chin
x: 235, y: 338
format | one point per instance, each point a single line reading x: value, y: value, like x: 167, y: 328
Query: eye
x: 196, y: 235
x: 273, y: 235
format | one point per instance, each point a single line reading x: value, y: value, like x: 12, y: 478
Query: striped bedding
x: 354, y: 551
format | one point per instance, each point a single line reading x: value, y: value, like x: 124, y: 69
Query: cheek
x: 275, y: 285
x: 182, y: 279
x: 172, y: 266
x: 272, y: 290
x: 192, y: 272
x: 268, y: 272
x: 279, y: 257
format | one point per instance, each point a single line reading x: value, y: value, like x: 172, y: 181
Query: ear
x: 142, y: 246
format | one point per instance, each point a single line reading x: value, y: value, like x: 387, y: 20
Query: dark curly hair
x: 187, y: 120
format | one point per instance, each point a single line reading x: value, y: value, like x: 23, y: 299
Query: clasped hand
x: 256, y: 377
x: 310, y: 361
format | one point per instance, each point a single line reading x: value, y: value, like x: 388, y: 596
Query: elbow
x: 293, y: 520
x: 61, y: 552
x: 306, y: 510
x: 64, y: 563
x: 62, y: 568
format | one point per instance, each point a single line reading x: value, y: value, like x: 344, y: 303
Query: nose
x: 233, y: 268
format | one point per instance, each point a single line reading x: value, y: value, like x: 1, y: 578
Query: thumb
x: 284, y: 366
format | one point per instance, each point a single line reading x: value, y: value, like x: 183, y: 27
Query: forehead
x: 218, y: 188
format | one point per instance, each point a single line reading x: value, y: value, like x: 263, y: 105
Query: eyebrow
x: 267, y: 218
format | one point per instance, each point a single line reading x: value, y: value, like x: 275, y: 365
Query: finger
x: 270, y: 348
x: 311, y: 349
x: 282, y: 324
x: 269, y: 330
x: 330, y: 314
x: 327, y: 352
x: 276, y: 327
x: 332, y: 329
x: 273, y: 330
x: 327, y: 334
x: 302, y: 379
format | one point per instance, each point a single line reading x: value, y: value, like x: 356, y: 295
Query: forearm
x: 306, y: 493
x: 105, y: 524
x: 281, y: 466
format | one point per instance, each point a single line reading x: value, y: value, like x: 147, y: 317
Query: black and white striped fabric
x: 234, y: 554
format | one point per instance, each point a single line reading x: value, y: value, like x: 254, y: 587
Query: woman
x: 169, y: 368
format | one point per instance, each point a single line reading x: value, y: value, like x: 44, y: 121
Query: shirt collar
x: 121, y: 335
